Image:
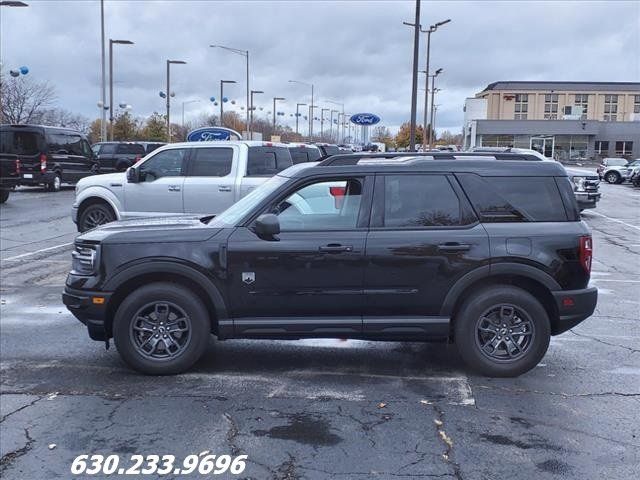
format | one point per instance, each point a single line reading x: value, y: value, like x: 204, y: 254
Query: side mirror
x: 267, y: 226
x: 133, y: 175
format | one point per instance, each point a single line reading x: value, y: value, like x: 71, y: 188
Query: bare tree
x: 58, y: 117
x: 24, y: 100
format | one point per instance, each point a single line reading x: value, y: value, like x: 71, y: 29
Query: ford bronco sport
x: 491, y: 255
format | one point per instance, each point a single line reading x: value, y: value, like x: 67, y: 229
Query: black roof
x: 33, y: 127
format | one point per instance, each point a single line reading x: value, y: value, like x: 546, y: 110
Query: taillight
x: 17, y: 166
x: 43, y: 163
x: 586, y: 252
x: 138, y: 157
x: 338, y: 196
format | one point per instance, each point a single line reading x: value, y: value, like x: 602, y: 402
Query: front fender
x: 102, y: 193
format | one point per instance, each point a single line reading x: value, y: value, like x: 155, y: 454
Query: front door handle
x: 224, y: 188
x: 174, y: 188
x: 454, y: 247
x: 335, y: 248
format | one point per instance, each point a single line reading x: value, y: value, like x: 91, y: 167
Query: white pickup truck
x: 200, y: 178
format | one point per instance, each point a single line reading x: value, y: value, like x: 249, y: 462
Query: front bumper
x: 82, y: 303
x: 587, y: 199
x: 574, y: 306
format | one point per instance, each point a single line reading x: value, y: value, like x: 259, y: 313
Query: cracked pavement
x: 320, y: 408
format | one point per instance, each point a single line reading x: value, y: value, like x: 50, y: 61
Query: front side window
x: 108, y: 149
x: 211, y: 162
x: 415, y: 201
x: 131, y: 149
x: 326, y: 205
x: 168, y: 163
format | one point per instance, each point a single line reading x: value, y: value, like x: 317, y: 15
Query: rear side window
x: 330, y: 150
x: 19, y: 142
x: 414, y: 201
x: 514, y: 199
x: 211, y: 162
x: 131, y: 148
x: 267, y: 161
x: 65, y: 143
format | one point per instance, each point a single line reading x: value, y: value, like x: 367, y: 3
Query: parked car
x: 410, y: 250
x: 304, y: 152
x: 9, y: 173
x: 626, y: 174
x: 195, y: 177
x: 612, y: 170
x: 48, y: 156
x: 117, y: 156
x: 151, y: 146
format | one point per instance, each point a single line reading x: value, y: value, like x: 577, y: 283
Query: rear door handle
x: 454, y: 247
x: 174, y: 188
x: 335, y: 248
x: 224, y: 188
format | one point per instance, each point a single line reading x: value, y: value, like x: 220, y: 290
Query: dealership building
x: 563, y: 120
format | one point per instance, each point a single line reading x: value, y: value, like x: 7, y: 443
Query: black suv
x: 48, y: 156
x: 117, y: 156
x: 489, y: 254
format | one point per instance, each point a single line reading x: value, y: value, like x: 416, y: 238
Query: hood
x: 574, y: 172
x: 102, y: 178
x: 152, y: 230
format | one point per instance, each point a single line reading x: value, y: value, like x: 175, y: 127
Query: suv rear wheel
x: 161, y: 329
x: 612, y: 177
x: 55, y: 184
x: 502, y: 331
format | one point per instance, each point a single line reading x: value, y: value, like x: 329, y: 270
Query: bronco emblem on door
x: 248, y: 277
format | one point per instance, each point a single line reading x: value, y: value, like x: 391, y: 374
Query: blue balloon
x: 213, y: 99
x: 24, y: 70
x: 162, y: 94
x: 215, y: 103
x: 225, y: 99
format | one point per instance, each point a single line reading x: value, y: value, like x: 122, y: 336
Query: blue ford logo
x: 365, y: 119
x: 211, y: 134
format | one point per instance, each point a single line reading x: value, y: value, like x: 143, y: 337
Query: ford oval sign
x: 365, y: 119
x: 210, y: 134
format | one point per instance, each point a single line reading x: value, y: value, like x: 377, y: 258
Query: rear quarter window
x: 267, y: 161
x: 514, y: 199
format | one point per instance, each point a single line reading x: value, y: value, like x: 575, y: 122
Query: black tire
x: 613, y: 177
x: 56, y: 184
x: 4, y: 195
x: 472, y: 328
x: 129, y: 341
x: 95, y: 215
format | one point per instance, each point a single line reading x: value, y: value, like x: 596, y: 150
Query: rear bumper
x: 37, y: 178
x: 574, y: 306
x: 587, y: 199
x: 81, y: 304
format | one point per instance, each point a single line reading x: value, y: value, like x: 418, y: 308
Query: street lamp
x: 433, y: 87
x: 342, y: 106
x: 298, y: 105
x: 251, y: 116
x: 222, y: 82
x: 111, y: 42
x: 276, y: 99
x: 414, y: 76
x: 244, y: 53
x: 311, y: 106
x: 431, y: 29
x: 169, y: 63
x: 322, y: 110
x: 186, y: 103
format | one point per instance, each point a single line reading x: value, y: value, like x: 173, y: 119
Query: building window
x: 582, y: 100
x: 551, y: 106
x: 624, y: 148
x: 602, y: 147
x: 522, y: 106
x: 610, y: 108
x: 636, y: 104
x: 497, y: 141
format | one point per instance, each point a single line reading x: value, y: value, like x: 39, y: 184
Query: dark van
x: 48, y: 156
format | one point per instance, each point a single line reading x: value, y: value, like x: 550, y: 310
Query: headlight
x: 85, y: 259
x: 578, y: 184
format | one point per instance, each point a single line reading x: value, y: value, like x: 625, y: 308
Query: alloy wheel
x: 95, y: 217
x: 504, y: 333
x: 160, y: 330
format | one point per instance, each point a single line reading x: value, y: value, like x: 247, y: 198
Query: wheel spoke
x: 504, y: 333
x: 506, y: 313
x: 160, y: 330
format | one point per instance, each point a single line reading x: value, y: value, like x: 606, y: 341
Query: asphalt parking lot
x: 318, y: 409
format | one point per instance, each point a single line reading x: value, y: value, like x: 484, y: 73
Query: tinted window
x: 514, y: 199
x: 321, y: 206
x: 131, y: 148
x: 330, y: 149
x: 152, y: 146
x: 419, y: 201
x: 314, y: 154
x: 20, y: 143
x: 267, y: 161
x: 299, y: 155
x: 169, y: 163
x: 108, y: 149
x: 211, y: 162
x: 65, y: 143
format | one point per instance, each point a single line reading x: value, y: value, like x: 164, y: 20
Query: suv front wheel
x: 613, y: 177
x: 502, y: 331
x: 161, y: 329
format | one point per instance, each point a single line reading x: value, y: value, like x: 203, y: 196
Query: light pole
x: 435, y: 111
x: 298, y: 105
x: 222, y: 82
x: 276, y: 99
x: 103, y: 117
x: 186, y: 103
x: 169, y: 63
x: 111, y: 43
x: 414, y: 79
x: 244, y: 53
x: 433, y: 87
x: 431, y: 29
x: 322, y: 110
x: 311, y: 106
x: 251, y: 116
x: 342, y: 107
x: 331, y: 125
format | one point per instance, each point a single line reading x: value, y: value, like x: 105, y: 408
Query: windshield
x: 232, y: 215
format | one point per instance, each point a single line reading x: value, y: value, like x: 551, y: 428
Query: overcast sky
x: 357, y: 52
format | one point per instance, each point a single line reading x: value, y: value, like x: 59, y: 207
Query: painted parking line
x: 36, y: 252
x: 615, y: 220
